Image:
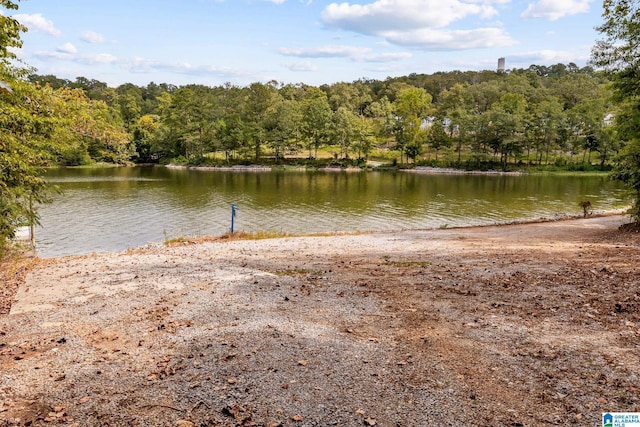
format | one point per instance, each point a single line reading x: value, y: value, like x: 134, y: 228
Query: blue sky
x: 315, y: 42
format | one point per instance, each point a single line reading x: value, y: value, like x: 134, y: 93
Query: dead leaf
x: 370, y: 422
x: 302, y: 362
x: 232, y: 411
x: 232, y: 381
x: 297, y: 418
x: 360, y: 412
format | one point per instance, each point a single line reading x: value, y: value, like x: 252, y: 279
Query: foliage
x: 26, y: 124
x: 10, y: 30
x: 618, y: 54
x: 532, y: 118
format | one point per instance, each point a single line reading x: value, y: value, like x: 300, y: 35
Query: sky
x: 213, y: 42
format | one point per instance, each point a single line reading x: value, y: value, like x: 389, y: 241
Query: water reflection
x: 119, y: 208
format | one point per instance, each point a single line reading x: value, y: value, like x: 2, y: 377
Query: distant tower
x: 501, y: 64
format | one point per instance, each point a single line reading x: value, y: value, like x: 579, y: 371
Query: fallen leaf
x: 232, y: 411
x: 297, y: 417
x: 370, y: 422
x: 360, y: 412
x: 232, y: 380
x: 302, y: 362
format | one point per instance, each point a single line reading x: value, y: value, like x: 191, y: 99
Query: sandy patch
x: 531, y: 324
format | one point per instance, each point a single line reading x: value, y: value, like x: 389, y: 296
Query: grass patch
x: 408, y: 264
x: 258, y: 235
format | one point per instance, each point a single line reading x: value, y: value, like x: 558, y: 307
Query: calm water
x: 119, y: 208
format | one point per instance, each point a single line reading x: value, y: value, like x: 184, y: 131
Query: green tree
x: 345, y: 128
x: 316, y: 120
x: 543, y: 125
x: 283, y: 127
x: 26, y: 125
x: 507, y: 126
x: 411, y: 106
x: 437, y: 137
x: 363, y: 138
x: 260, y: 98
x: 10, y: 30
x: 191, y: 117
x: 456, y: 104
x: 617, y: 53
x: 145, y: 136
x: 25, y: 128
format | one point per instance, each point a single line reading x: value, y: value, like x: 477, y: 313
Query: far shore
x: 417, y: 169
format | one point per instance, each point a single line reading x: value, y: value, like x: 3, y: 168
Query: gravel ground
x: 522, y: 325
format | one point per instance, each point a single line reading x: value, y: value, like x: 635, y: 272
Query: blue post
x: 233, y: 216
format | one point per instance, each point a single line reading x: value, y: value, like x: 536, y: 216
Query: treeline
x: 535, y: 116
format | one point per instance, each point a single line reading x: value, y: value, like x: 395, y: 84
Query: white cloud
x: 354, y: 53
x: 384, y: 15
x: 54, y: 55
x: 101, y: 58
x: 550, y: 57
x: 428, y: 39
x: 92, y: 37
x: 67, y: 48
x: 139, y: 65
x: 37, y: 22
x: 555, y: 9
x: 304, y: 66
x: 419, y: 23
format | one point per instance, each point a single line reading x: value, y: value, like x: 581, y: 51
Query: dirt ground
x: 522, y: 325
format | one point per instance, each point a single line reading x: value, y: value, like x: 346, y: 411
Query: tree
x: 363, y: 138
x: 437, y: 138
x: 507, y: 126
x: 283, y: 126
x: 90, y: 130
x: 345, y: 126
x: 543, y: 126
x: 25, y: 125
x: 145, y: 134
x: 10, y: 30
x: 411, y: 106
x: 316, y: 120
x: 619, y: 55
x: 260, y: 98
x: 191, y: 115
x: 455, y: 106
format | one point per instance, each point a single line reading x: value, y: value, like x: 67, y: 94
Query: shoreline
x: 352, y: 169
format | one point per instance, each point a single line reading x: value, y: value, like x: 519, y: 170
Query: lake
x: 113, y: 209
